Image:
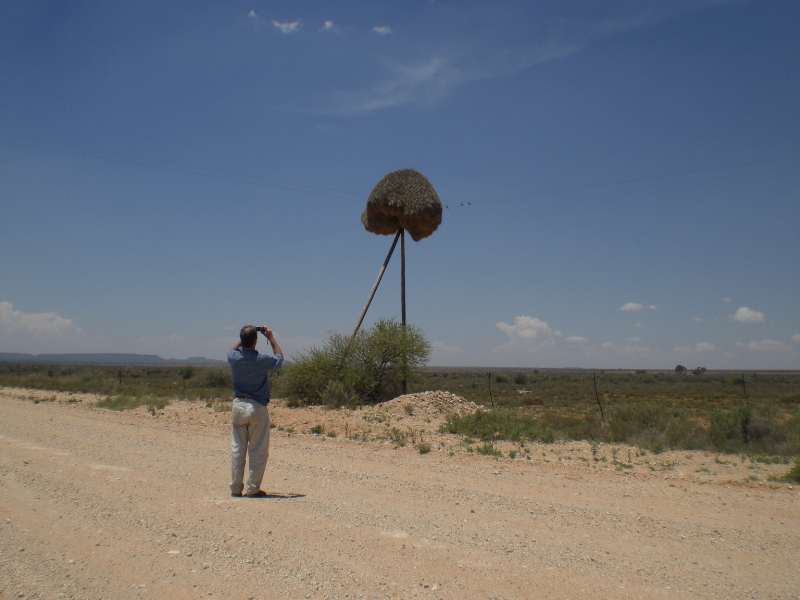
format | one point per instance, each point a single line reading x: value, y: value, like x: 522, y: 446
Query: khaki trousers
x: 249, y: 439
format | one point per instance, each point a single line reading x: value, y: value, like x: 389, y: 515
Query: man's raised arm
x: 269, y: 335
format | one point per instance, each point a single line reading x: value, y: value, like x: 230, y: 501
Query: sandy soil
x: 101, y: 504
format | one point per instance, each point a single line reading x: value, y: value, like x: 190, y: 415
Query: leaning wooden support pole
x: 375, y: 287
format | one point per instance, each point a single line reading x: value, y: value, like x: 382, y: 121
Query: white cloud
x: 635, y: 349
x: 634, y: 339
x: 528, y: 333
x: 631, y: 306
x: 684, y: 349
x: 577, y: 339
x: 527, y: 328
x: 653, y: 307
x: 610, y: 346
x: 796, y: 338
x: 764, y: 346
x: 704, y: 347
x: 257, y: 23
x: 16, y: 322
x: 698, y: 319
x: 383, y: 30
x: 287, y: 27
x: 439, y: 347
x: 746, y: 315
x: 639, y: 325
x: 328, y: 26
x: 726, y: 299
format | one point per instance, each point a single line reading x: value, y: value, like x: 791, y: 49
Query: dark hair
x: 248, y: 335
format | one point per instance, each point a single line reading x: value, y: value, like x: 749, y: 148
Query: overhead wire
x: 616, y: 182
x: 322, y: 232
x: 315, y: 190
x: 177, y: 167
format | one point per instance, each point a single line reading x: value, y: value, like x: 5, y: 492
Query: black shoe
x: 235, y: 495
x: 258, y: 494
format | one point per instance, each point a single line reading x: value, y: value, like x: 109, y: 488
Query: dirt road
x: 100, y: 504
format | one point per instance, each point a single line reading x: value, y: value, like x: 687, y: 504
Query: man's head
x: 249, y: 336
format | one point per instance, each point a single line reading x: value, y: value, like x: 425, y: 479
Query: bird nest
x: 403, y: 199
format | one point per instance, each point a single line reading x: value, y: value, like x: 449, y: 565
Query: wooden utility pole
x: 403, y: 299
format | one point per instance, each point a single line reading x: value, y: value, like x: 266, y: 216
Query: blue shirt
x: 249, y: 369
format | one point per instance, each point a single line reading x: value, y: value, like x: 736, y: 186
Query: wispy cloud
x: 255, y: 21
x: 746, y: 315
x: 796, y: 338
x: 634, y: 339
x: 328, y: 26
x: 450, y: 61
x: 765, y: 346
x: 698, y: 319
x: 704, y: 347
x: 290, y: 27
x: 627, y: 348
x: 631, y: 306
x: 653, y: 307
x: 16, y: 322
x: 439, y: 347
x: 635, y: 349
x: 639, y: 325
x: 577, y: 339
x: 726, y: 300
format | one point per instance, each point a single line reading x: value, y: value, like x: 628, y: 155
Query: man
x: 250, y: 417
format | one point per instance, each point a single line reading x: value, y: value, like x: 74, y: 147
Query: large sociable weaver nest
x: 403, y: 199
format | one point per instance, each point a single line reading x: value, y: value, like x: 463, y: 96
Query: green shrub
x: 368, y: 369
x: 722, y: 427
x: 793, y: 475
x: 217, y: 377
x: 423, y: 447
x: 488, y: 450
x: 498, y: 424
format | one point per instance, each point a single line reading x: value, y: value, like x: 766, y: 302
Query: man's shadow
x: 279, y: 496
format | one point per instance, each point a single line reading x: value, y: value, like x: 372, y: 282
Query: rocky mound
x: 431, y: 404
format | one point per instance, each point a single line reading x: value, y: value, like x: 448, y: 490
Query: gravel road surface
x: 116, y: 505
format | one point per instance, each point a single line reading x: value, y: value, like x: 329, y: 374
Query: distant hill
x: 105, y: 359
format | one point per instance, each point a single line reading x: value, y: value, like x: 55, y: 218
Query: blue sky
x: 170, y: 171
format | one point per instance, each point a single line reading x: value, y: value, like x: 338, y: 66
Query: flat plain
x: 97, y: 504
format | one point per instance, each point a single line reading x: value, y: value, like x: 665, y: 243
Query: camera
x: 262, y: 330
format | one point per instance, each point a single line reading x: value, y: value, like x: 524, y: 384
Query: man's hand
x: 268, y: 334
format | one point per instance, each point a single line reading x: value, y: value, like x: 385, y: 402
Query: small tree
x: 680, y: 369
x: 369, y: 368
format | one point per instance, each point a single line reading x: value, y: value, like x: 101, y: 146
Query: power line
x: 329, y: 192
x: 182, y: 168
x: 322, y: 232
x: 617, y: 182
